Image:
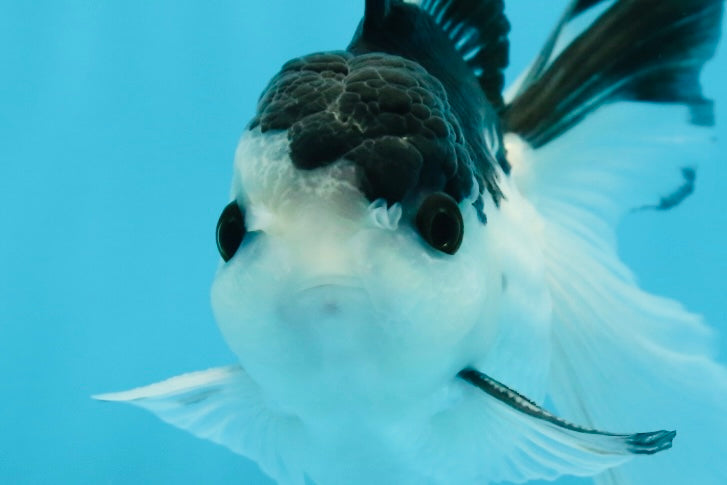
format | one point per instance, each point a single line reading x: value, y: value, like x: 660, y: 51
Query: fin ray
x: 479, y: 32
x: 637, y: 443
x: 375, y: 13
x: 225, y: 406
x: 626, y: 54
x: 525, y: 442
x: 623, y: 357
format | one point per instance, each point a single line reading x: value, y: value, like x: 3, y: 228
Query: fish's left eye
x: 230, y: 230
x: 440, y: 223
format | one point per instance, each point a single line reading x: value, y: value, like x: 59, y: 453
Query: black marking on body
x: 384, y: 113
x: 639, y: 443
x: 638, y: 50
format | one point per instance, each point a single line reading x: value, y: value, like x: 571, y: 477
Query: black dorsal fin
x: 462, y: 46
x: 475, y: 29
x: 478, y: 31
x: 637, y: 50
x: 376, y: 12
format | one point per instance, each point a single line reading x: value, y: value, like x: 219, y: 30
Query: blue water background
x: 118, y: 123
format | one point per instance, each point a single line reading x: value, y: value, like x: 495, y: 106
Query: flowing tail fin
x: 616, y: 121
x: 641, y: 50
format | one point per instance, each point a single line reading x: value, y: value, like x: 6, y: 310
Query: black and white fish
x: 415, y: 262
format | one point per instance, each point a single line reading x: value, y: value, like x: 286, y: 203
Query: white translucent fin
x: 624, y: 157
x: 534, y: 444
x: 624, y: 359
x: 225, y: 406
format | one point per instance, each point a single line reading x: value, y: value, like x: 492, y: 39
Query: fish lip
x: 329, y: 293
x: 329, y: 281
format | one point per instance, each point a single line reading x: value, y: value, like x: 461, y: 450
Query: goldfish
x: 419, y: 274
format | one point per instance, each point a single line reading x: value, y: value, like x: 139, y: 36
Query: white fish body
x: 367, y: 354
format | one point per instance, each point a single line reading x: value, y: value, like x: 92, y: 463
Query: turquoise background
x: 118, y: 124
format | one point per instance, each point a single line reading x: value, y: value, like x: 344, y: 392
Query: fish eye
x: 440, y: 223
x: 230, y: 230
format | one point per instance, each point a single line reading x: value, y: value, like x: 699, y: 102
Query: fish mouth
x: 328, y: 282
x: 325, y: 298
x: 598, y: 441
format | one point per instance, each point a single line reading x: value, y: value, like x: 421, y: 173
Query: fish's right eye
x: 230, y: 230
x: 440, y: 223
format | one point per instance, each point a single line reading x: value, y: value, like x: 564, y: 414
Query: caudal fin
x: 612, y: 122
x: 638, y: 50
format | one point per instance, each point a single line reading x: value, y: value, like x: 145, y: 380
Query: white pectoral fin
x: 200, y: 402
x: 624, y: 356
x: 621, y: 356
x: 540, y: 445
x: 223, y: 405
x: 585, y: 155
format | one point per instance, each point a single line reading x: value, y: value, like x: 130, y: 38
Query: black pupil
x: 444, y: 230
x: 440, y: 223
x: 230, y: 230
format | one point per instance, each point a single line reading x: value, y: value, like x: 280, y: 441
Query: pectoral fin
x: 223, y: 405
x: 538, y: 444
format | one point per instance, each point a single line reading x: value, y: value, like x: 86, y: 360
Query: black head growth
x: 407, y: 102
x: 384, y: 113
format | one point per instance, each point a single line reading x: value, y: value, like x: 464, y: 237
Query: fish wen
x: 417, y: 264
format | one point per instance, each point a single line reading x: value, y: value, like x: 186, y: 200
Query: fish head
x: 365, y: 262
x: 329, y: 291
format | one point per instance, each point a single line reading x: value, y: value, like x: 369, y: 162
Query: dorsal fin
x: 478, y: 30
x: 462, y: 45
x: 376, y: 12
